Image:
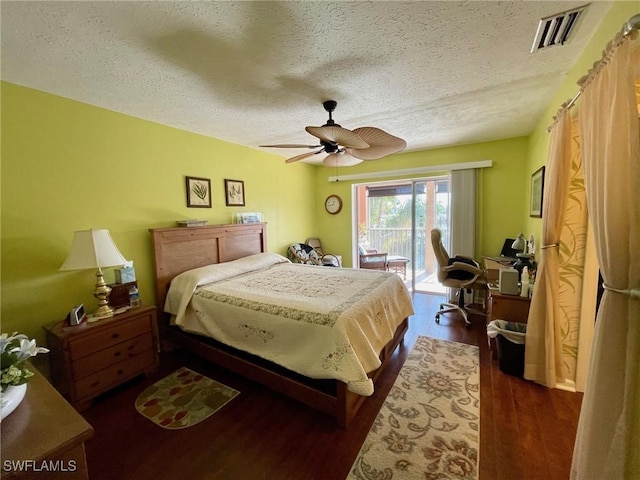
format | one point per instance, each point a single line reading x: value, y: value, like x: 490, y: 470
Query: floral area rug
x: 183, y: 399
x: 428, y: 427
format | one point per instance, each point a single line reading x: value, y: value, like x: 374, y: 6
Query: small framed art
x: 198, y: 192
x: 234, y: 193
x: 537, y: 190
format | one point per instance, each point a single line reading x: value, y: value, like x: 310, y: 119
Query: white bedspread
x: 320, y: 322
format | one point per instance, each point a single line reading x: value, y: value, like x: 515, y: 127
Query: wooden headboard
x: 179, y: 249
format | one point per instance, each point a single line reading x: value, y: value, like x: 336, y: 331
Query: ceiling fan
x: 346, y: 147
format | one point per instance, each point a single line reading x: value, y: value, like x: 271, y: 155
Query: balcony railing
x: 397, y: 241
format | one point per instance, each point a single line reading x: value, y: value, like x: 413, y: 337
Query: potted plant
x: 15, y: 350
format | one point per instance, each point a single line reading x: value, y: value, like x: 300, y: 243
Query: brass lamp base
x: 102, y: 292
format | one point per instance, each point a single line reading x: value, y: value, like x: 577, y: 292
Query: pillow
x: 183, y: 285
x: 362, y: 250
x: 302, y: 251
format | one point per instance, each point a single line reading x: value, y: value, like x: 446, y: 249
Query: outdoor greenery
x: 389, y: 224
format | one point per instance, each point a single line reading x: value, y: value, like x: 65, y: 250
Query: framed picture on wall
x: 234, y: 193
x: 537, y: 190
x: 198, y: 192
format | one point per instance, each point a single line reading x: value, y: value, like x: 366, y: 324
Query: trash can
x: 510, y: 338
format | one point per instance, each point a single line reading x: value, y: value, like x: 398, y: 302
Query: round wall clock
x: 333, y: 204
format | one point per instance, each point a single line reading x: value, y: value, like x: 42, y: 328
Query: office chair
x: 460, y: 272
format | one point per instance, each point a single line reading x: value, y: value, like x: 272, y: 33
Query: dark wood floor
x: 526, y: 432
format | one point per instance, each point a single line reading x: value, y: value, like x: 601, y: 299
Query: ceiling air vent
x: 556, y: 29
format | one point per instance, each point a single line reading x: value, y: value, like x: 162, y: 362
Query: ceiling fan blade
x: 290, y: 145
x: 340, y: 159
x: 302, y: 156
x: 380, y: 143
x: 337, y: 135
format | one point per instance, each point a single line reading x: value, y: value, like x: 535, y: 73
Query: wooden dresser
x: 43, y: 438
x: 91, y: 358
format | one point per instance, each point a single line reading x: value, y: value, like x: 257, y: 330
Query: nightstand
x: 91, y: 358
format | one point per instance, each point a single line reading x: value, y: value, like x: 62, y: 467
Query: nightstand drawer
x: 107, y: 357
x: 108, y: 337
x: 114, y: 375
x: 89, y: 359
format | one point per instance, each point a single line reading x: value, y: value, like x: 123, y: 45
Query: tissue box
x: 125, y: 275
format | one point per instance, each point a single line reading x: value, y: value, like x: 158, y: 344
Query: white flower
x: 15, y: 350
x: 6, y: 340
x: 27, y: 348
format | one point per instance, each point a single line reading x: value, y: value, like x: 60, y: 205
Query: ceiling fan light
x: 340, y: 160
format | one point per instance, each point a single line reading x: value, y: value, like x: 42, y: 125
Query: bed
x: 317, y: 352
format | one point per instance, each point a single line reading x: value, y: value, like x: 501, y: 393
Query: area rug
x: 182, y: 399
x: 428, y: 427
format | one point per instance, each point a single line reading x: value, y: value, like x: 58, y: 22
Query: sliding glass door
x: 396, y: 218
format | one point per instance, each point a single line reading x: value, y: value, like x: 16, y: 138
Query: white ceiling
x: 434, y: 73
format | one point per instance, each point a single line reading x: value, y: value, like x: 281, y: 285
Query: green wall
x: 69, y: 166
x: 620, y: 12
x: 500, y: 188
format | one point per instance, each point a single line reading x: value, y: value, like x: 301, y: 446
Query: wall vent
x: 556, y: 29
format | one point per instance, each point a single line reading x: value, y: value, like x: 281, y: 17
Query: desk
x: 493, y: 269
x: 512, y: 308
x: 44, y: 428
x: 398, y: 264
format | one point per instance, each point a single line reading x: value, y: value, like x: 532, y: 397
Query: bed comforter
x: 321, y: 322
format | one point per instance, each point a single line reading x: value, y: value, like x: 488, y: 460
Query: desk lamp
x: 523, y: 256
x: 95, y: 249
x: 519, y: 243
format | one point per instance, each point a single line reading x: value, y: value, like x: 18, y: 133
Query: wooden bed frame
x: 184, y: 248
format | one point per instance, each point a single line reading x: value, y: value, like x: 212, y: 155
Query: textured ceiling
x: 252, y: 73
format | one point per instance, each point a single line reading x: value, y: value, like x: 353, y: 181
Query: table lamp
x: 519, y: 243
x: 95, y: 249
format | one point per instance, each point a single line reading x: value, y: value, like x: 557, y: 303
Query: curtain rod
x: 630, y: 26
x: 409, y: 172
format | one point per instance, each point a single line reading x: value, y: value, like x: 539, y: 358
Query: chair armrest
x: 372, y: 256
x: 463, y: 266
x: 465, y: 257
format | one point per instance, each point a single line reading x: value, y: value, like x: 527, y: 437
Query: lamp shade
x: 92, y: 249
x: 520, y: 243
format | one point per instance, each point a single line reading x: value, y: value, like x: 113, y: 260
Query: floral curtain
x: 548, y: 325
x: 608, y: 438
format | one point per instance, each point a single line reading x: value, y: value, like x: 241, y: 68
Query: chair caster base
x: 438, y: 319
